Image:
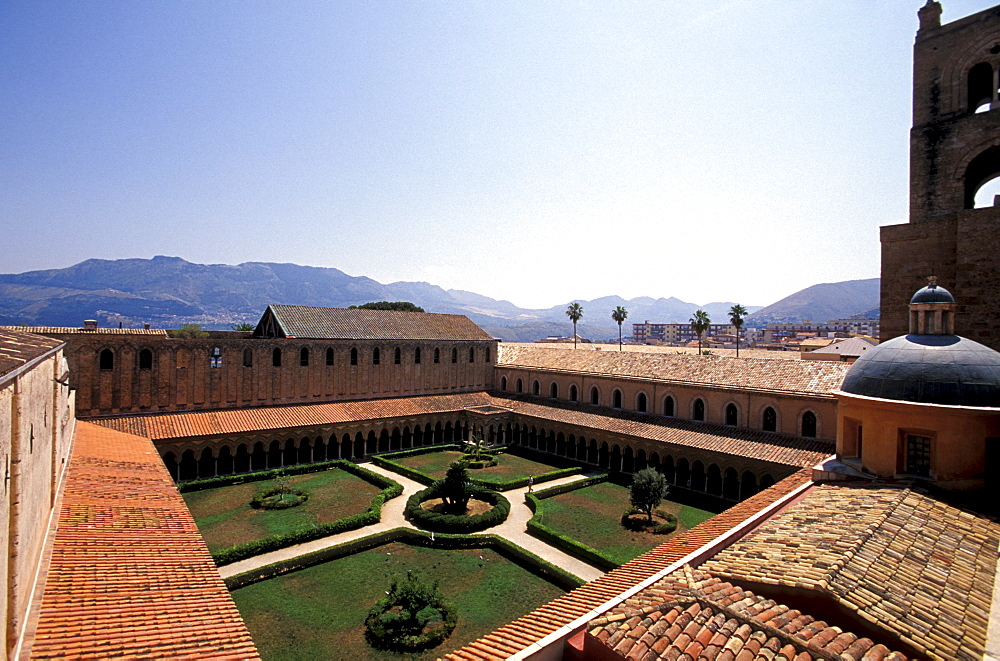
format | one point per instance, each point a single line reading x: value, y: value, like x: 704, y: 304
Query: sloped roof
x: 355, y: 324
x: 18, y: 348
x: 854, y: 346
x: 130, y: 575
x: 68, y: 330
x: 793, y: 376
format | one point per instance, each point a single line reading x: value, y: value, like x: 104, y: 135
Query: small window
x: 595, y: 396
x: 918, y: 455
x: 770, y: 420
x: 145, y: 359
x: 437, y: 355
x: 554, y: 390
x: 668, y: 406
x: 536, y: 389
x: 107, y: 360
x: 809, y: 424
x: 732, y: 415
x: 454, y: 355
x: 247, y: 358
x: 416, y: 356
x: 572, y: 393
x: 397, y: 356
x: 472, y: 354
x: 376, y: 356
x: 520, y: 386
x: 487, y: 354
x: 354, y: 356
x: 699, y: 409
x: 215, y: 358
x: 616, y: 399
x: 329, y: 356
x: 304, y: 357
x: 503, y: 383
x: 276, y: 357
x: 640, y: 403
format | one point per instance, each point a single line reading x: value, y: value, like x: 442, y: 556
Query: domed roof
x: 932, y: 294
x: 931, y: 369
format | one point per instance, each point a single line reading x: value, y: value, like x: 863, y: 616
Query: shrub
x: 457, y: 523
x: 649, y: 487
x: 412, y: 617
x: 278, y: 497
x: 482, y: 461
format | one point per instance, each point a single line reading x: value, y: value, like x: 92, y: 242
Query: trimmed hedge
x: 520, y: 483
x: 568, y: 544
x: 270, y: 474
x: 373, y: 514
x: 457, y: 523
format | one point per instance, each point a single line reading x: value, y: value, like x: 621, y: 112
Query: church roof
x: 306, y: 322
x: 791, y: 376
x: 18, y: 348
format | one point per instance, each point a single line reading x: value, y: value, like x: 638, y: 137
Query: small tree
x: 456, y: 487
x: 190, y: 332
x: 699, y: 324
x: 737, y: 315
x: 574, y: 312
x: 243, y: 326
x: 649, y: 487
x: 398, y: 306
x: 619, y: 314
x: 476, y: 446
x: 411, y: 617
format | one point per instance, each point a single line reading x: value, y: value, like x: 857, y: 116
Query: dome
x: 930, y: 369
x: 932, y: 294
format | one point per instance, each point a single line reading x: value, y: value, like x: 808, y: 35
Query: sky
x: 737, y: 150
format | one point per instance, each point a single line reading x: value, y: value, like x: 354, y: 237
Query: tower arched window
x: 536, y: 388
x: 572, y: 393
x: 595, y: 396
x: 616, y: 399
x: 304, y: 357
x: 520, y: 386
x: 145, y: 359
x: 106, y: 360
x: 980, y: 87
x: 329, y: 356
x: 698, y: 410
x: 376, y: 356
x: 668, y: 406
x: 554, y: 390
x: 276, y: 357
x: 770, y: 421
x: 809, y: 424
x: 503, y: 383
x: 354, y: 356
x: 732, y: 415
x: 640, y: 403
x: 979, y: 174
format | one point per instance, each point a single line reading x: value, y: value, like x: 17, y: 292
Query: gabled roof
x: 314, y: 323
x: 854, y: 346
x: 17, y: 348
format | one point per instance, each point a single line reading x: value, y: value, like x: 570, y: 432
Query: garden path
x: 514, y: 529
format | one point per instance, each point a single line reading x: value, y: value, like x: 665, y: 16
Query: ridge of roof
x: 309, y: 322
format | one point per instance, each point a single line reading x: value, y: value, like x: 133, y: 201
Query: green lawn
x: 225, y: 518
x: 318, y: 612
x: 591, y: 515
x: 435, y: 464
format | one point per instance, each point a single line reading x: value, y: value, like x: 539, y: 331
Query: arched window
x: 572, y: 393
x: 304, y: 357
x: 698, y: 409
x: 437, y: 355
x: 354, y: 356
x: 397, y: 356
x: 809, y: 424
x: 770, y: 422
x: 106, y: 360
x: 595, y: 396
x: 520, y: 386
x: 145, y: 359
x: 487, y: 354
x: 472, y: 354
x: 616, y: 399
x: 376, y: 356
x: 247, y: 358
x: 454, y: 355
x: 980, y: 87
x: 416, y: 356
x: 981, y: 171
x: 215, y: 357
x: 554, y: 390
x: 503, y: 383
x: 329, y: 356
x: 276, y: 357
x: 732, y: 415
x: 668, y: 406
x: 535, y: 388
x: 640, y: 403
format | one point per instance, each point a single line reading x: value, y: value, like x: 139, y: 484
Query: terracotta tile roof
x: 565, y: 609
x: 793, y: 376
x: 692, y: 614
x: 18, y: 348
x: 64, y: 330
x: 898, y: 559
x: 130, y: 575
x: 341, y: 323
x: 764, y: 446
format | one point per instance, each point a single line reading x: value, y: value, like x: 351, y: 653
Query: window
x: 416, y: 356
x: 503, y: 383
x: 329, y: 356
x: 247, y: 358
x: 572, y: 393
x: 354, y: 356
x: 732, y: 415
x: 106, y: 361
x: 437, y: 355
x: 809, y: 424
x: 770, y: 420
x: 454, y: 355
x: 376, y: 357
x: 595, y: 396
x: 215, y: 358
x: 276, y: 357
x: 397, y: 356
x: 520, y: 386
x: 145, y: 359
x: 616, y: 398
x: 918, y: 455
x: 980, y: 87
x: 535, y: 388
x: 554, y: 390
x: 472, y: 354
x: 304, y: 357
x: 640, y: 403
x: 698, y: 410
x: 487, y: 354
x: 668, y: 406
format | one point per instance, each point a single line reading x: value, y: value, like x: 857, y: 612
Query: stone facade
x: 954, y: 150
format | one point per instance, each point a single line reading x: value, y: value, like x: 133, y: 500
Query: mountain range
x: 167, y: 292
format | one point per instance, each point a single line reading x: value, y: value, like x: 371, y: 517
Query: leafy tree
x: 243, y: 326
x: 619, y: 314
x: 737, y: 315
x: 190, y: 332
x: 398, y: 306
x: 476, y: 446
x: 649, y: 487
x: 412, y: 616
x: 574, y: 312
x: 456, y: 487
x: 699, y: 324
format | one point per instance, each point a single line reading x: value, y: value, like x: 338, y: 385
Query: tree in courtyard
x: 456, y: 487
x: 413, y: 616
x: 190, y: 331
x: 574, y: 312
x: 649, y: 487
x: 619, y: 314
x: 699, y: 324
x: 476, y: 446
x: 243, y: 326
x: 398, y: 306
x: 737, y: 315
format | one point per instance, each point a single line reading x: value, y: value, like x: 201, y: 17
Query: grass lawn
x: 225, y: 518
x: 319, y: 612
x: 435, y: 465
x: 591, y: 515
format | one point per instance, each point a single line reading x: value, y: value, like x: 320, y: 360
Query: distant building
x: 682, y: 334
x: 847, y: 350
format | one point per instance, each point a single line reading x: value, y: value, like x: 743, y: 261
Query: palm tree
x: 699, y: 324
x: 619, y: 314
x: 737, y: 315
x: 574, y: 312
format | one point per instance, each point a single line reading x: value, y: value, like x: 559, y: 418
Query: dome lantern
x: 932, y: 310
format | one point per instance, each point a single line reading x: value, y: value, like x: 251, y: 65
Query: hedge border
x: 457, y: 523
x: 373, y: 514
x: 501, y: 545
x: 257, y: 476
x: 571, y: 546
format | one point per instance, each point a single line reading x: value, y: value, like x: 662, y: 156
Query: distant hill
x: 821, y: 303
x: 167, y: 292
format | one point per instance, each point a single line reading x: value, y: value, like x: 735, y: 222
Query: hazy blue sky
x: 537, y: 152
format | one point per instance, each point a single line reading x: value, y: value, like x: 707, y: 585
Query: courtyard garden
x: 320, y: 611
x: 226, y: 517
x: 511, y: 470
